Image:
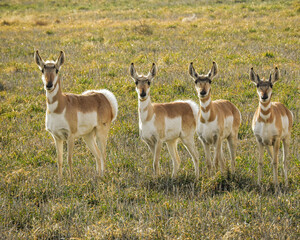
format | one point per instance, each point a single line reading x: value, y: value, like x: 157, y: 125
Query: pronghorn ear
x: 276, y: 76
x: 253, y: 76
x: 213, y: 71
x: 39, y: 61
x: 152, y: 72
x: 132, y: 71
x: 192, y: 71
x: 60, y: 61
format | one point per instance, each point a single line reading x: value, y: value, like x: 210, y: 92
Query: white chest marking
x: 205, y: 104
x: 57, y: 124
x: 264, y: 117
x: 208, y: 131
x: 52, y: 106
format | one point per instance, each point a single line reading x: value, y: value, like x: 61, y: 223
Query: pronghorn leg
x: 70, y: 142
x: 172, y: 147
x: 208, y: 159
x: 102, y: 141
x: 218, y: 155
x: 232, y: 144
x: 90, y: 141
x: 286, y: 143
x: 59, y: 149
x: 275, y: 163
x: 190, y: 145
x: 157, y: 151
x: 260, y: 162
x: 270, y: 151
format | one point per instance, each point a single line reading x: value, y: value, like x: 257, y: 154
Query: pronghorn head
x: 143, y: 82
x: 49, y: 69
x: 203, y: 82
x: 264, y: 87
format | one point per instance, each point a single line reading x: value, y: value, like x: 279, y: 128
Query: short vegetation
x: 101, y: 39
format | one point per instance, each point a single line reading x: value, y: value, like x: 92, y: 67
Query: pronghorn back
x: 109, y: 97
x: 227, y: 109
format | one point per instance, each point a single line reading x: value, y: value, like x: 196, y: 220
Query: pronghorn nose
x: 49, y: 85
x: 143, y: 94
x: 203, y: 92
x: 264, y: 97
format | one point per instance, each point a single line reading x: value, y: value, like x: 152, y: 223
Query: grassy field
x: 101, y: 39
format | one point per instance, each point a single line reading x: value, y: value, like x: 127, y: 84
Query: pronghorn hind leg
x: 172, y: 147
x: 190, y: 145
x: 286, y: 143
x: 90, y: 141
x: 102, y: 135
x: 70, y: 142
x: 59, y: 149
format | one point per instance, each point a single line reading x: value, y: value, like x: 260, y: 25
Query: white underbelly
x: 86, y: 122
x: 173, y: 128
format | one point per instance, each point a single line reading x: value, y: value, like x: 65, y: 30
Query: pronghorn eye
x: 56, y: 71
x: 149, y: 83
x: 136, y: 82
x: 43, y: 70
x: 209, y: 81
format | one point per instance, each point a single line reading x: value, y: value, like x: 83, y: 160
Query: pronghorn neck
x: 145, y: 107
x: 205, y: 108
x: 265, y: 110
x: 54, y: 97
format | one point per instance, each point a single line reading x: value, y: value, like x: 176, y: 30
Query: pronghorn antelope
x: 218, y: 120
x: 165, y: 122
x: 271, y: 123
x: 69, y: 115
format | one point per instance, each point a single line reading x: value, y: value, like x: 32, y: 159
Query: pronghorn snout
x: 203, y: 92
x: 143, y: 94
x: 264, y: 96
x: 49, y: 85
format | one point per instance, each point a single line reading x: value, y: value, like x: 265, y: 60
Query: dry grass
x: 100, y: 40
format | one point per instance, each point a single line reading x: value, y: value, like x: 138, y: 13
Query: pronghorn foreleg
x: 70, y: 143
x: 260, y: 162
x: 190, y: 145
x: 218, y: 158
x: 59, y: 149
x: 172, y: 147
x: 232, y: 145
x: 275, y: 163
x: 270, y: 151
x: 286, y: 143
x: 156, y: 156
x: 210, y: 168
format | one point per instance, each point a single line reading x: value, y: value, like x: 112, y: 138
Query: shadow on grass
x: 188, y: 186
